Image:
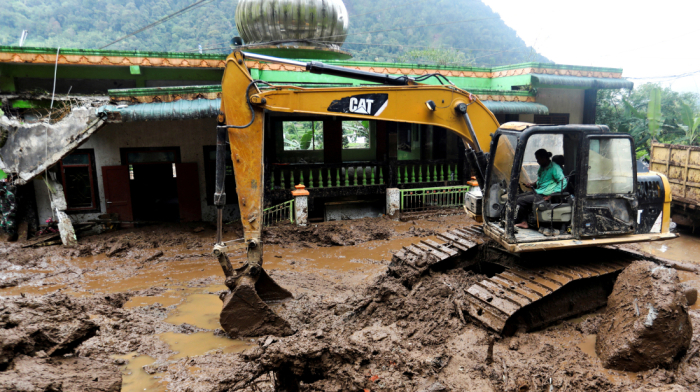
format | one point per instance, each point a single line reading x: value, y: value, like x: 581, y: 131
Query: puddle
x: 200, y: 310
x: 166, y: 299
x: 134, y: 378
x: 200, y: 343
x: 614, y: 376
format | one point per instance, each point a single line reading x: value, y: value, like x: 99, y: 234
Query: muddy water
x: 200, y: 343
x: 615, y: 376
x: 200, y: 310
x: 134, y: 378
x: 684, y: 248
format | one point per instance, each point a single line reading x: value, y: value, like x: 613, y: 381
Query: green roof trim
x: 580, y: 82
x: 499, y: 107
x: 148, y: 91
x: 195, y: 55
x: 163, y: 111
x: 99, y: 52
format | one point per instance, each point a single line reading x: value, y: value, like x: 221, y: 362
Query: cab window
x: 610, y: 166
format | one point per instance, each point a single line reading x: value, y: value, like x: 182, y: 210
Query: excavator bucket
x: 245, y: 311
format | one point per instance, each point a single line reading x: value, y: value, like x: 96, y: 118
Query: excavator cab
x: 599, y: 196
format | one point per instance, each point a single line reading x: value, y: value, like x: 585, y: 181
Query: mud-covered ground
x: 143, y: 303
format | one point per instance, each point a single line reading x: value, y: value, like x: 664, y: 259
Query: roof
x: 580, y: 82
x: 500, y: 107
x: 209, y: 108
x: 161, y: 111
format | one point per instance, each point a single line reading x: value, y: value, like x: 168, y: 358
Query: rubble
x: 646, y: 323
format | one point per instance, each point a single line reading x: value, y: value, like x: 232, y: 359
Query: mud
x: 646, y: 323
x: 360, y: 323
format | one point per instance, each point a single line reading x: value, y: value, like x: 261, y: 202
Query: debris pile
x: 646, y: 323
x: 38, y: 341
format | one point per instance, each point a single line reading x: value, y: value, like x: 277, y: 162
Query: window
x: 356, y: 134
x: 552, y: 119
x: 78, y: 172
x: 302, y: 135
x: 210, y: 175
x: 553, y: 143
x: 610, y: 167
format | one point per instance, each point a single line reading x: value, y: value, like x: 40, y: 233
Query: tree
x: 648, y: 113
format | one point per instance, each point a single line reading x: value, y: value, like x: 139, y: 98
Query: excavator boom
x: 241, y: 124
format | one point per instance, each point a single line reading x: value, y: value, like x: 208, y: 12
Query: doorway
x: 153, y: 182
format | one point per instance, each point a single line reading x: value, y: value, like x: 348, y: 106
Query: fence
x: 279, y: 213
x: 416, y: 173
x: 327, y: 177
x: 425, y: 199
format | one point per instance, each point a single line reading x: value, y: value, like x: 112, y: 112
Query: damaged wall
x: 190, y: 135
x: 31, y: 148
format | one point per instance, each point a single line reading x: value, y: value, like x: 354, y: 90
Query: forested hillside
x: 380, y: 30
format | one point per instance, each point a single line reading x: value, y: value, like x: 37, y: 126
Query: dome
x: 321, y: 23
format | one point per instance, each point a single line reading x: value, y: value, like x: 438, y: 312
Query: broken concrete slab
x: 31, y: 148
x: 646, y: 323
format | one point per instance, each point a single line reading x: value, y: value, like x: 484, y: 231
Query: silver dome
x: 271, y: 21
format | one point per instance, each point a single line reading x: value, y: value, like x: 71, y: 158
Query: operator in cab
x: 550, y: 179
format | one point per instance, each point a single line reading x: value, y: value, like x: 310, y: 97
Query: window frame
x: 92, y: 175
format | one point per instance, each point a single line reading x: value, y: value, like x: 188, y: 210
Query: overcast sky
x: 644, y: 38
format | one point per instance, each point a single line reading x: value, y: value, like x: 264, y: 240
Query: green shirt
x: 550, y: 179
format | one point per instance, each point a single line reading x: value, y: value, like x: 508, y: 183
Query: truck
x: 680, y: 164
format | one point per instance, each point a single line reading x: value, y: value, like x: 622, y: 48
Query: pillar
x: 301, y: 204
x: 59, y: 205
x: 393, y: 203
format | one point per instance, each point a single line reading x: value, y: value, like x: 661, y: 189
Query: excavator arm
x: 241, y: 124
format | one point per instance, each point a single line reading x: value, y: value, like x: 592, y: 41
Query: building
x: 135, y: 131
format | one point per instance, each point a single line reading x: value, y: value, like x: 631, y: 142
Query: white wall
x: 560, y: 100
x: 190, y: 135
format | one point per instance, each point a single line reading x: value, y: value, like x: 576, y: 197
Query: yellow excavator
x: 604, y: 201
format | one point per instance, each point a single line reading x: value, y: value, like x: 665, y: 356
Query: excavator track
x: 524, y: 297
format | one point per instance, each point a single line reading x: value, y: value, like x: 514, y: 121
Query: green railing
x: 283, y: 177
x: 415, y: 173
x: 413, y: 200
x: 279, y: 213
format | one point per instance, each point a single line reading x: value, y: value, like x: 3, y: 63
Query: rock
x: 646, y: 323
x: 60, y: 374
x: 116, y: 248
x: 154, y: 255
x: 691, y: 293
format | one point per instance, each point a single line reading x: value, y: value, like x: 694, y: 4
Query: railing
x: 425, y: 199
x: 419, y: 172
x: 328, y: 176
x: 279, y: 213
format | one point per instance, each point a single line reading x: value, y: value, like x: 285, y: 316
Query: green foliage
x: 374, y: 35
x: 650, y: 112
x: 437, y: 56
x: 302, y: 135
x: 352, y: 130
x: 691, y: 122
